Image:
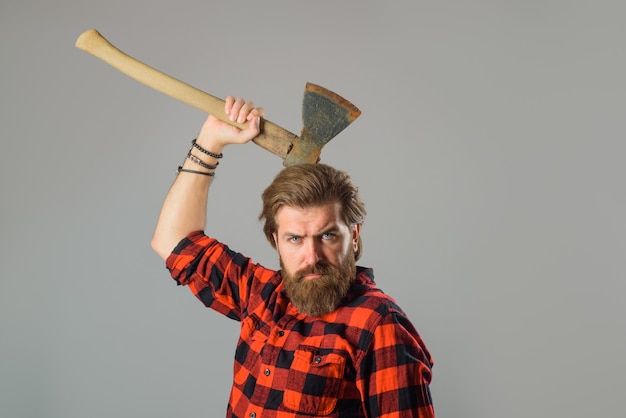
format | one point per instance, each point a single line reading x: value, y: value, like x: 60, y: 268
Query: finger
x: 234, y: 112
x: 252, y: 130
x: 245, y: 111
x: 228, y: 105
x: 256, y: 112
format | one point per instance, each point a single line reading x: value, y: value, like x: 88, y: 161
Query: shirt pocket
x: 247, y: 355
x: 314, y: 381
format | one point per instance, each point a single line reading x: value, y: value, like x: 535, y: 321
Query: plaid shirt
x: 365, y: 359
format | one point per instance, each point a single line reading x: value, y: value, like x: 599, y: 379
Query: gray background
x: 489, y: 154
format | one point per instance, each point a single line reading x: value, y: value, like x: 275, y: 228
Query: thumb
x: 252, y: 130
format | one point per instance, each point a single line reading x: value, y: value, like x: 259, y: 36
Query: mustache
x: 320, y: 268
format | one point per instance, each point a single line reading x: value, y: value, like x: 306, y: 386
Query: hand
x: 216, y: 134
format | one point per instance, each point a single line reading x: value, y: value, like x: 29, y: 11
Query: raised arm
x: 184, y: 209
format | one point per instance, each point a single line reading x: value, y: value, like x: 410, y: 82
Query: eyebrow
x: 332, y: 228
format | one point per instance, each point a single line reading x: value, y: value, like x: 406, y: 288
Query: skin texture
x: 316, y: 250
x: 308, y: 236
x: 184, y: 208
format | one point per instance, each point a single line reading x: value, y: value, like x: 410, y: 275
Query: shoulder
x: 374, y: 312
x: 370, y: 300
x: 376, y: 307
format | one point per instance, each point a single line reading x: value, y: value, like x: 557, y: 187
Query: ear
x: 356, y: 233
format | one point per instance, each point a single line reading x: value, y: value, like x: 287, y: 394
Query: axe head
x: 324, y: 115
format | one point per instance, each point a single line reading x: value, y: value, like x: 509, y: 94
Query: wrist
x: 208, y: 146
x: 213, y: 151
x: 200, y: 161
x: 204, y: 161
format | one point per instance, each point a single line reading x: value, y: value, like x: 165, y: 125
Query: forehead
x: 310, y: 217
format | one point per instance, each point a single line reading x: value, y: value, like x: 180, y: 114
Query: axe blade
x: 324, y: 115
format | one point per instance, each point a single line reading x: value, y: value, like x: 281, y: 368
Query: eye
x: 294, y: 239
x: 328, y: 235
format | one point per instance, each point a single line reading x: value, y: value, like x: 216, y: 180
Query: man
x: 317, y: 337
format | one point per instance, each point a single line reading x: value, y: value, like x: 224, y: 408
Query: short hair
x: 311, y: 184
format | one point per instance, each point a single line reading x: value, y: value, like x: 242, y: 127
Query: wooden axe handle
x: 272, y: 137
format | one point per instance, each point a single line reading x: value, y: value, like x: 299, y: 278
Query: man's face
x: 316, y: 249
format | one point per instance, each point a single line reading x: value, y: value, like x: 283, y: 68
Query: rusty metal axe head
x: 324, y: 115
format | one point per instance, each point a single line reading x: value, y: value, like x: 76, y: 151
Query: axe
x: 324, y: 113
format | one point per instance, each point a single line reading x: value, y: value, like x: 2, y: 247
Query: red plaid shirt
x: 365, y: 359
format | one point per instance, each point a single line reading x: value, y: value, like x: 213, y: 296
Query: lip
x: 312, y: 276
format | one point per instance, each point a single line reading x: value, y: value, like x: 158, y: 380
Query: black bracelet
x: 202, y: 150
x: 184, y: 170
x: 200, y: 162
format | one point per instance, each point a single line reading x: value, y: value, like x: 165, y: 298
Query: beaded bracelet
x: 200, y: 162
x: 202, y: 150
x: 184, y: 170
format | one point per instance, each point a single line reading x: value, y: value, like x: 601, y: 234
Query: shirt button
x: 252, y: 414
x: 266, y: 372
x: 318, y: 360
x: 281, y: 333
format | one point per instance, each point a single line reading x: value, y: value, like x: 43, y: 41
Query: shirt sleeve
x: 396, y: 371
x: 220, y: 278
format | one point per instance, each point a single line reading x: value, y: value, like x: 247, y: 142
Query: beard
x: 324, y: 294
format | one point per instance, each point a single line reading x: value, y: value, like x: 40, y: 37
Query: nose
x: 312, y: 252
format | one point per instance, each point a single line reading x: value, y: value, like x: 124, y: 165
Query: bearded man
x: 317, y: 337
